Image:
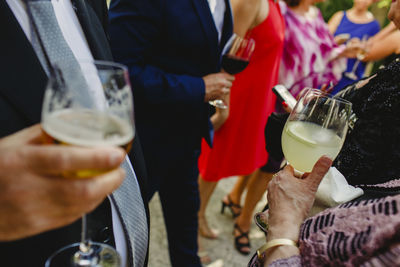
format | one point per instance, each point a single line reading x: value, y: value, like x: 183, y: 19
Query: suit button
x: 104, y: 235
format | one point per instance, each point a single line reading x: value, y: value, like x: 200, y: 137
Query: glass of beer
x: 316, y: 126
x: 91, y: 107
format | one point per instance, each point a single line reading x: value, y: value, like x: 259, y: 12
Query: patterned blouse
x: 309, y: 55
x: 364, y: 232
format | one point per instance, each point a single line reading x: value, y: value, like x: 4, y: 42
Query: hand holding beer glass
x: 316, y: 126
x: 96, y: 109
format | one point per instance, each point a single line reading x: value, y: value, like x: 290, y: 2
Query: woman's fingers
x: 318, y: 172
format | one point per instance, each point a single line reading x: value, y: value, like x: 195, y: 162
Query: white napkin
x: 334, y: 189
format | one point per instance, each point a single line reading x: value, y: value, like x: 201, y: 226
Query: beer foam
x: 87, y: 128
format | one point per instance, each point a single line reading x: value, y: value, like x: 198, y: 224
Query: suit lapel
x: 18, y: 59
x: 93, y: 29
x: 228, y: 26
x: 208, y: 25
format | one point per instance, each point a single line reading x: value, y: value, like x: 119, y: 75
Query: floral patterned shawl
x: 309, y: 52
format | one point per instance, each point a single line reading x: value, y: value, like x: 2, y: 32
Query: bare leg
x: 257, y: 185
x: 206, y: 189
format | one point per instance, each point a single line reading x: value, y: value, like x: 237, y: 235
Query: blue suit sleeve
x: 135, y: 26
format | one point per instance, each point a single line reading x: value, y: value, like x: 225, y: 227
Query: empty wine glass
x: 316, y: 126
x: 93, y: 108
x: 236, y: 57
x: 360, y: 56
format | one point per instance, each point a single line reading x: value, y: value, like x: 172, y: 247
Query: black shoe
x: 231, y: 205
x: 239, y: 246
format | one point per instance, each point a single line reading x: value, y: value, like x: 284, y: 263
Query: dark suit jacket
x: 21, y: 91
x: 168, y: 45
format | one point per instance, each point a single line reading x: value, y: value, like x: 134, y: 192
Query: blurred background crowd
x: 318, y: 44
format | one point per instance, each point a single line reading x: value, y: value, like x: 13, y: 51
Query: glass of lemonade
x: 316, y: 126
x: 88, y: 107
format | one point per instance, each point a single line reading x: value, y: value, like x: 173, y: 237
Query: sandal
x: 231, y: 207
x: 238, y: 245
x: 204, y: 257
x: 205, y: 230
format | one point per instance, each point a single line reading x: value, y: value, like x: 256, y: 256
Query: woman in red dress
x: 239, y: 144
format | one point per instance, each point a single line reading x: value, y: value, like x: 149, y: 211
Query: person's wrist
x: 280, y: 252
x: 287, y: 230
x: 277, y: 248
x: 223, y: 115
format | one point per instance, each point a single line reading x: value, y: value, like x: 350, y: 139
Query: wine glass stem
x: 355, y: 66
x: 85, y: 256
x: 84, y: 246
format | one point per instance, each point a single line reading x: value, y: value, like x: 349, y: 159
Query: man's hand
x: 221, y: 114
x: 217, y: 85
x: 35, y: 197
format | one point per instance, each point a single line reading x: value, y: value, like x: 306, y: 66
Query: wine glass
x: 316, y: 126
x: 236, y: 57
x: 92, y: 108
x: 360, y: 56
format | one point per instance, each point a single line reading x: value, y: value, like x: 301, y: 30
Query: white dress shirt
x: 75, y: 38
x: 218, y: 8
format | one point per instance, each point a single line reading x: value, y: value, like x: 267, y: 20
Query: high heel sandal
x: 231, y: 207
x: 238, y: 245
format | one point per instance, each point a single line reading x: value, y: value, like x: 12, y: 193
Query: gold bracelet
x: 274, y: 243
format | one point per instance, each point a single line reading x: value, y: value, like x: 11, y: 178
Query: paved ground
x: 221, y: 251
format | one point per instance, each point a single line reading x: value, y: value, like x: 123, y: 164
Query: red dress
x: 239, y: 145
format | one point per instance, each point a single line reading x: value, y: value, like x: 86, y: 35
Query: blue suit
x: 169, y: 45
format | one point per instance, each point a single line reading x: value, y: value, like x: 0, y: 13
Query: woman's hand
x: 353, y: 47
x: 290, y: 199
x: 341, y: 38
